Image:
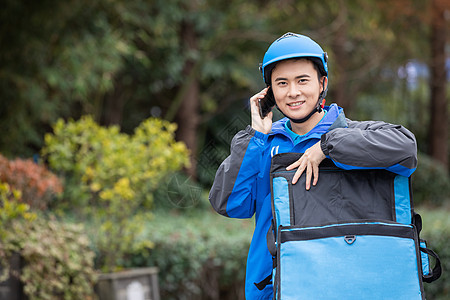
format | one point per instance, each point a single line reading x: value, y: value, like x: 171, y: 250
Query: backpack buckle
x: 350, y: 239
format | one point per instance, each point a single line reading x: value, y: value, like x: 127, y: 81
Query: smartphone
x: 266, y: 104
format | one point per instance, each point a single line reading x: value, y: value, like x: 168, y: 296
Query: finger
x: 254, y: 104
x: 268, y: 117
x: 259, y: 95
x: 316, y: 174
x: 255, y: 99
x: 262, y: 93
x: 294, y: 165
x: 298, y: 173
x: 308, y: 176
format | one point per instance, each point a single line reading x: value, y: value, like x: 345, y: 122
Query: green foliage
x: 58, y: 60
x: 217, y: 139
x: 431, y: 182
x: 116, y: 236
x: 105, y: 165
x: 11, y: 209
x: 37, y: 185
x: 436, y: 230
x: 58, y: 263
x: 199, y: 254
x: 180, y: 192
x: 115, y: 173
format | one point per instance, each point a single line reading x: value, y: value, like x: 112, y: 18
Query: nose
x: 293, y: 91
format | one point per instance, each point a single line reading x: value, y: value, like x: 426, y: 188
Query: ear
x: 323, y: 83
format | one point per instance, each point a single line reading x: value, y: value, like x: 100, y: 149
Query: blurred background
x: 116, y: 114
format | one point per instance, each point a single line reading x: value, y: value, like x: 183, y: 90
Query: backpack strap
x: 417, y: 222
x: 265, y: 282
x: 437, y: 270
x: 271, y: 246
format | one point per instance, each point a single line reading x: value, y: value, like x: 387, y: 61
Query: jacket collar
x: 335, y: 118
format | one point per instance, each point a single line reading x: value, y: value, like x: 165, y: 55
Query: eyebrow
x: 297, y: 77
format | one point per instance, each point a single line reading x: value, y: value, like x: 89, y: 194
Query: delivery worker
x: 295, y: 70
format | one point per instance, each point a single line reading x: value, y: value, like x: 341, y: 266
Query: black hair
x: 317, y: 63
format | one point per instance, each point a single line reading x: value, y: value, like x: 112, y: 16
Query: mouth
x: 296, y: 104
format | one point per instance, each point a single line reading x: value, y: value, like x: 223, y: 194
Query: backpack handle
x: 437, y: 270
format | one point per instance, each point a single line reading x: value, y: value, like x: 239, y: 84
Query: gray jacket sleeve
x: 372, y: 144
x: 233, y: 190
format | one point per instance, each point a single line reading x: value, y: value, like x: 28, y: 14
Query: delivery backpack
x: 354, y: 235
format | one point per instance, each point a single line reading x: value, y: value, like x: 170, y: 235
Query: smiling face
x: 296, y: 88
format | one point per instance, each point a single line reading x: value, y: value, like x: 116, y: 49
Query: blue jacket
x: 241, y: 187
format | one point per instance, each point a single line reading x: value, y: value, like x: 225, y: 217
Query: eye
x: 303, y: 80
x: 282, y: 83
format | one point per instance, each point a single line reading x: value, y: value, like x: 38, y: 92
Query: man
x: 295, y: 69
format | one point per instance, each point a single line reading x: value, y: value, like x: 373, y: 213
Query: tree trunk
x: 438, y: 126
x: 340, y: 62
x: 113, y: 104
x: 187, y: 115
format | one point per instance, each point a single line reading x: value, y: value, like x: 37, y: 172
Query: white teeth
x: 296, y: 104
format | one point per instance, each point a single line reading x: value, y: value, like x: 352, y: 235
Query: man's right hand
x: 261, y: 125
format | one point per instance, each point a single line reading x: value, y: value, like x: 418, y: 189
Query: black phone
x: 266, y: 104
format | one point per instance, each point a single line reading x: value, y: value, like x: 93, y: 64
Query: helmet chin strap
x: 317, y: 108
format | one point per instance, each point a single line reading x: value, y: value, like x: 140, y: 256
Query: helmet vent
x: 288, y: 35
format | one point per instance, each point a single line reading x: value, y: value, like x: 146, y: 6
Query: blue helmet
x: 292, y: 45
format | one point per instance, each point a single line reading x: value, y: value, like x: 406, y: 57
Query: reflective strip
x: 397, y: 169
x: 425, y: 260
x: 281, y: 201
x: 274, y: 151
x: 402, y: 200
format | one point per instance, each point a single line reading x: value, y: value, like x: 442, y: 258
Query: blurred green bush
x: 180, y: 192
x: 57, y: 262
x: 200, y: 254
x: 113, y: 176
x: 102, y: 164
x: 436, y: 230
x: 11, y: 210
x: 431, y: 182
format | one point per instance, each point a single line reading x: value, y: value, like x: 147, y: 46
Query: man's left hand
x: 309, y: 161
